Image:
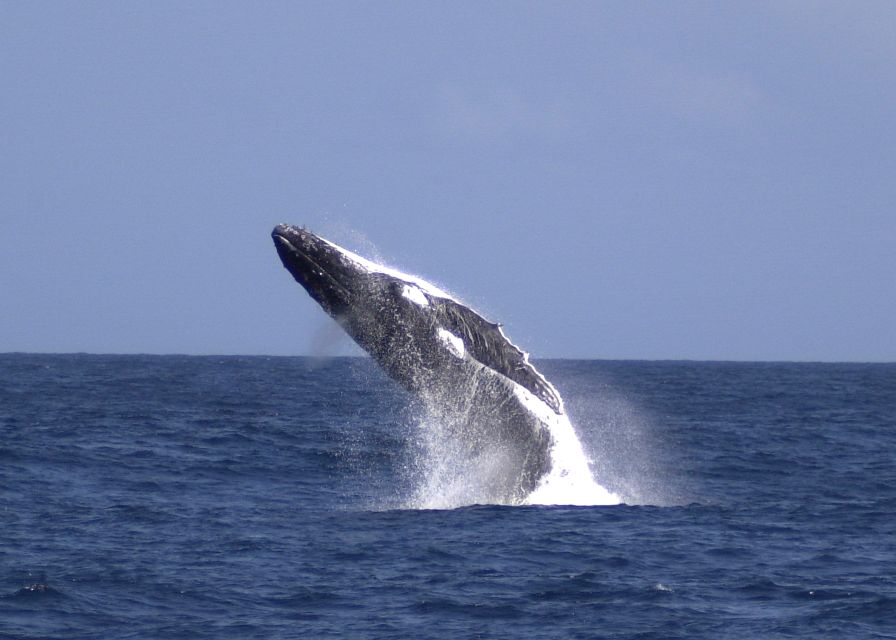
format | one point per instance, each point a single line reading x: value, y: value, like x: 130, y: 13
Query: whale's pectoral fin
x: 486, y: 342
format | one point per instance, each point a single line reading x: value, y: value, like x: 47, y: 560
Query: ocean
x: 287, y: 497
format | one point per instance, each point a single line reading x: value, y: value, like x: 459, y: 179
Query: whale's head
x: 385, y: 312
x: 330, y: 276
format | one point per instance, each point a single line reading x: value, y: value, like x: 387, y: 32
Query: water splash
x: 456, y: 462
x: 627, y: 447
x: 457, y: 465
x: 570, y: 481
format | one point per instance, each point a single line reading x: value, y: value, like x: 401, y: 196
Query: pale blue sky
x: 625, y: 180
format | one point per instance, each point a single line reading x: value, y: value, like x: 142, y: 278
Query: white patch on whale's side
x: 455, y: 345
x: 415, y: 295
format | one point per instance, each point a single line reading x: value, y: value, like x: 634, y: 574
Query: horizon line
x: 363, y: 356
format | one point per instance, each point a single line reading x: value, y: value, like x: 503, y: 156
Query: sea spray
x: 458, y: 463
x: 570, y: 480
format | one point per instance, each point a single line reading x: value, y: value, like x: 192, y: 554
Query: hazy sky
x: 609, y: 180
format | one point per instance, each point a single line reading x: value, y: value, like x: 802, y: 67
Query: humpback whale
x: 486, y: 393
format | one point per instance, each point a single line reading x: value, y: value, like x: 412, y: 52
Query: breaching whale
x: 483, y: 388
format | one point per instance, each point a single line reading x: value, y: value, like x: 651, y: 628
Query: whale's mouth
x: 279, y: 235
x: 281, y: 241
x: 293, y: 239
x: 295, y: 251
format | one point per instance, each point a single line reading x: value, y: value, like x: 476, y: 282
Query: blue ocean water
x: 232, y: 497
